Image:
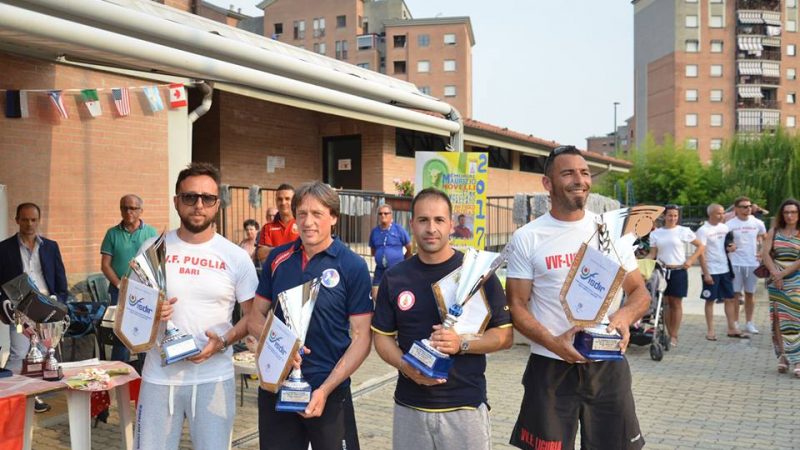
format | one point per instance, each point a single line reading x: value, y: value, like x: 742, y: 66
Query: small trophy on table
x: 595, y: 277
x: 297, y: 305
x: 463, y: 305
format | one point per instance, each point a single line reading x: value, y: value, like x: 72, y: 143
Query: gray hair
x: 320, y: 191
x: 714, y: 206
x: 138, y: 199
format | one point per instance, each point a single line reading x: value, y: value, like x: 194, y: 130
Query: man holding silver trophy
x: 205, y: 276
x: 406, y: 310
x: 337, y: 335
x: 562, y: 387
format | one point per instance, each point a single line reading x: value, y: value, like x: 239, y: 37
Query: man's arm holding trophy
x: 254, y: 319
x: 636, y: 304
x: 219, y: 342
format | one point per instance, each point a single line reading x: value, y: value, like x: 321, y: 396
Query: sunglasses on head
x: 557, y: 151
x: 190, y: 199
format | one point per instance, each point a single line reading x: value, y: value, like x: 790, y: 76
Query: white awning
x: 750, y: 91
x: 771, y: 69
x: 751, y: 44
x: 773, y: 30
x: 749, y: 67
x: 770, y: 118
x: 771, y: 17
x: 769, y: 41
x: 749, y: 17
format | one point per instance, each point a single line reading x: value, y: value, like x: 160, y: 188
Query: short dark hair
x: 320, y: 191
x: 741, y: 199
x: 22, y: 206
x: 197, y: 169
x: 285, y: 187
x: 461, y: 215
x: 780, y: 221
x: 250, y: 223
x: 556, y: 152
x: 431, y: 192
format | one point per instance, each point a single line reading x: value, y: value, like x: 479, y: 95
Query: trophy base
x: 597, y: 345
x: 429, y: 361
x: 178, y: 349
x: 293, y: 396
x: 32, y: 370
x: 53, y: 375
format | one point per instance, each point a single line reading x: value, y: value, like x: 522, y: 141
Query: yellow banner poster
x: 463, y: 176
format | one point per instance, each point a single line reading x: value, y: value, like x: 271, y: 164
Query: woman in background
x: 249, y: 241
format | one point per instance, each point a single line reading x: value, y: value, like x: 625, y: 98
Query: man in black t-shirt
x: 432, y: 413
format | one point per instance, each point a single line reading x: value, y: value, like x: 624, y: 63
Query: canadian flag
x: 177, y: 95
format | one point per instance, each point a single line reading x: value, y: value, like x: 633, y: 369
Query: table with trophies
x: 45, y: 321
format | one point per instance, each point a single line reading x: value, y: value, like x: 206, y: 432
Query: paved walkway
x: 708, y: 395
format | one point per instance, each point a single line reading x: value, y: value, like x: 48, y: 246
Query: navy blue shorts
x: 378, y: 275
x: 722, y: 289
x: 677, y: 283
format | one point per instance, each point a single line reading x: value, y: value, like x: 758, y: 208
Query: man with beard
x: 562, y: 388
x: 432, y: 413
x: 206, y: 275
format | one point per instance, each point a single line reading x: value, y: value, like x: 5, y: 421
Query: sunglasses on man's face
x: 190, y: 199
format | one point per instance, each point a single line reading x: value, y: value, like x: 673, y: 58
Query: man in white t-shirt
x: 717, y: 281
x: 206, y: 276
x: 561, y: 387
x: 748, y: 232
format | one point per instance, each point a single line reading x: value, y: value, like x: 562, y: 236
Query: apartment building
x: 381, y: 35
x: 705, y: 70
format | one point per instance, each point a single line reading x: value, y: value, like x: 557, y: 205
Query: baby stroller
x: 650, y: 329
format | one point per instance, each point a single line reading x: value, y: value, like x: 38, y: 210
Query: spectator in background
x: 748, y: 234
x: 249, y: 242
x: 461, y: 230
x: 270, y: 215
x: 386, y: 243
x: 283, y: 228
x: 717, y: 282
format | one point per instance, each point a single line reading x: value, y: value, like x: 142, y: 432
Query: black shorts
x: 721, y: 289
x: 677, y: 283
x: 558, y: 395
x: 334, y: 430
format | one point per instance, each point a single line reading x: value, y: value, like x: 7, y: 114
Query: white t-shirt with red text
x: 745, y: 236
x: 543, y: 251
x: 207, y: 279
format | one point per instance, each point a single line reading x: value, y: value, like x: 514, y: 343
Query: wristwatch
x: 464, y: 346
x: 224, y: 343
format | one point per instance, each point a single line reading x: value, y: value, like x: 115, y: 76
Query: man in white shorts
x: 748, y: 232
x: 206, y: 275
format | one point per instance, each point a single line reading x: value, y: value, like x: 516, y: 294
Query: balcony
x: 756, y: 121
x: 755, y: 103
x: 766, y: 54
x: 760, y: 79
x: 764, y: 5
x: 367, y: 41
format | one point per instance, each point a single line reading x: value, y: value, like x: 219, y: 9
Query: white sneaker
x: 751, y: 328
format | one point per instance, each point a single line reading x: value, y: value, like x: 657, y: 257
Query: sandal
x: 783, y: 364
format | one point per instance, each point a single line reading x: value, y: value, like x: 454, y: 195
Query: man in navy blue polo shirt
x: 338, y: 337
x: 434, y: 413
x: 387, y: 241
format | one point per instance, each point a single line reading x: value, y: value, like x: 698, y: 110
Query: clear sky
x: 549, y: 68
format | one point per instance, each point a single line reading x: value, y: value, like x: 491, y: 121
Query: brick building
x: 269, y: 102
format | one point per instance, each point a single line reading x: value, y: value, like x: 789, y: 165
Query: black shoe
x: 40, y: 406
x: 102, y: 416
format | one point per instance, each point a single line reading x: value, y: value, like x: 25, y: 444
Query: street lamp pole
x: 616, y: 142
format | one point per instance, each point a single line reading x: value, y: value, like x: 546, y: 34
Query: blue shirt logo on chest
x: 330, y: 278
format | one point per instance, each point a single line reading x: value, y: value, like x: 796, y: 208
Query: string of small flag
x: 17, y: 99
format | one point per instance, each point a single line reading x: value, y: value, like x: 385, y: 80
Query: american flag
x: 122, y: 101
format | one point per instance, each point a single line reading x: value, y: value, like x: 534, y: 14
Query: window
x: 341, y: 49
x: 791, y: 97
x: 321, y: 48
x: 716, y: 46
x: 363, y: 65
x: 449, y: 65
x: 534, y: 164
x: 692, y: 46
x: 716, y: 120
x: 425, y: 90
x: 341, y: 21
x: 691, y: 120
x: 791, y: 3
x: 791, y: 50
x: 365, y: 41
x: 423, y: 40
x: 278, y: 28
x: 715, y: 21
x: 449, y: 39
x: 691, y: 144
x: 691, y: 21
x: 716, y: 95
x: 399, y: 67
x: 716, y: 1
x: 716, y: 144
x: 691, y: 95
x: 791, y: 25
x: 399, y: 41
x: 423, y: 66
x: 499, y: 158
x: 691, y: 70
x: 449, y: 91
x: 791, y: 122
x: 716, y: 70
x: 791, y: 74
x: 408, y: 141
x: 691, y: 1
x: 319, y: 27
x: 299, y: 29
